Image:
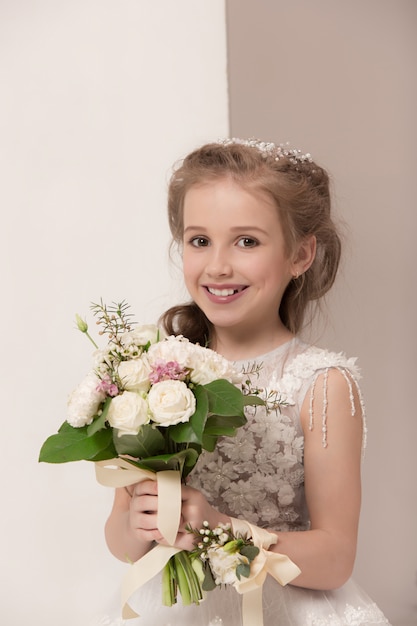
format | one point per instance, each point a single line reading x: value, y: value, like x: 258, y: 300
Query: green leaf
x: 107, y: 453
x: 252, y: 400
x: 243, y: 569
x: 227, y: 420
x: 224, y: 398
x: 198, y: 419
x: 220, y: 431
x: 250, y: 552
x: 190, y: 460
x: 208, y: 582
x: 223, y: 425
x: 209, y: 442
x: 67, y: 428
x: 176, y: 461
x: 100, y: 422
x: 183, y: 433
x: 74, y: 444
x: 148, y: 442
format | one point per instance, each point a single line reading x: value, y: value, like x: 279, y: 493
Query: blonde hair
x: 300, y: 192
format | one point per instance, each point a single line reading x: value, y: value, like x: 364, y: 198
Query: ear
x: 304, y: 255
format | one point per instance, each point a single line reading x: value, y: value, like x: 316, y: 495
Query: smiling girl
x: 260, y: 248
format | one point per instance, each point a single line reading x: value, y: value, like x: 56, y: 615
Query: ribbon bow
x: 279, y: 566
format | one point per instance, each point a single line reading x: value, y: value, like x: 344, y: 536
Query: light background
x: 98, y: 99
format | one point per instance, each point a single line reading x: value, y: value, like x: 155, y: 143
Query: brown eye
x: 247, y: 242
x: 199, y: 242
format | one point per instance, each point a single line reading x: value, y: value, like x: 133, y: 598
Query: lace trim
x: 352, y: 616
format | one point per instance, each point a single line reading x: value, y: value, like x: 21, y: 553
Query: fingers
x: 146, y: 487
x: 143, y: 516
x: 144, y: 506
x: 143, y: 511
x: 195, y: 507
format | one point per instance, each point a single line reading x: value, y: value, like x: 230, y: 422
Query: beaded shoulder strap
x: 312, y: 363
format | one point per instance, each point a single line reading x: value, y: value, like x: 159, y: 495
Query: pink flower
x: 163, y: 370
x: 108, y: 387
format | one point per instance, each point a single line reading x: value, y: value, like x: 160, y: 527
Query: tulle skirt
x: 282, y: 606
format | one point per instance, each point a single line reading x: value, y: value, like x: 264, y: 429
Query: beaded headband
x: 269, y: 149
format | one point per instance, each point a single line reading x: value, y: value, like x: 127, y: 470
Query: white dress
x: 259, y: 476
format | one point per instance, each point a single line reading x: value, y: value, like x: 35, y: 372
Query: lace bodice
x: 259, y: 475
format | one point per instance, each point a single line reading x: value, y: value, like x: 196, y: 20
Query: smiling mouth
x: 224, y: 292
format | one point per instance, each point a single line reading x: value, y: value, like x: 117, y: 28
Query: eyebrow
x: 233, y: 229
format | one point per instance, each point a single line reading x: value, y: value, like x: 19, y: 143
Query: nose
x: 218, y: 263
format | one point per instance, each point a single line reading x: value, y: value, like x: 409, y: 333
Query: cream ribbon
x: 279, y: 566
x: 168, y: 519
x: 169, y: 512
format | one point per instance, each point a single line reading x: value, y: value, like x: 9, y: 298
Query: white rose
x: 134, y: 374
x: 209, y: 366
x: 128, y: 412
x: 223, y: 565
x: 142, y: 335
x: 171, y: 402
x: 84, y: 401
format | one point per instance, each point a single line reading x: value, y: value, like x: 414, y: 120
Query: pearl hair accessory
x: 269, y: 149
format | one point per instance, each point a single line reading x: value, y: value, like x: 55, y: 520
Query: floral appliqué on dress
x: 259, y: 475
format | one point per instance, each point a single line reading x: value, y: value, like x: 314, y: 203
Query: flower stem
x: 91, y: 339
x: 188, y: 582
x: 180, y: 575
x: 169, y: 585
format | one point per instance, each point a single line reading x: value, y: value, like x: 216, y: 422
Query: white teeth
x: 221, y: 292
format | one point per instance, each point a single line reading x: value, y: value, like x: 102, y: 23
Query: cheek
x: 189, y: 266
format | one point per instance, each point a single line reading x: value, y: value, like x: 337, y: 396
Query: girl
x: 259, y: 247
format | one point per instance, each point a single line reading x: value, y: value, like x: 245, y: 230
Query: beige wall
x: 338, y: 78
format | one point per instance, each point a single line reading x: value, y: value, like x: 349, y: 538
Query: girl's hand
x: 195, y: 510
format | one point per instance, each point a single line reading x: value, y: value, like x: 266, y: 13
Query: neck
x: 236, y: 347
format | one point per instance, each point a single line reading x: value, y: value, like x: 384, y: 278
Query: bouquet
x: 155, y: 402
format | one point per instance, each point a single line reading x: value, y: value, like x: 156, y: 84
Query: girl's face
x: 235, y: 265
